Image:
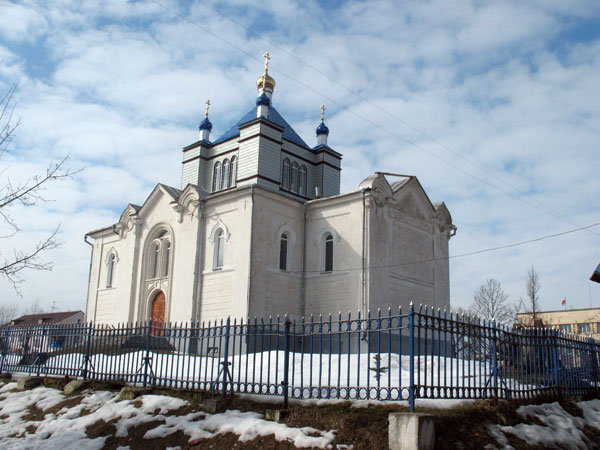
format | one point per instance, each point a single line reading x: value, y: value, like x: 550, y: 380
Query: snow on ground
x: 66, y: 428
x: 559, y: 429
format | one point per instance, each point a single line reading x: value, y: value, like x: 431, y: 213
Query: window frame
x: 328, y: 253
x: 225, y: 174
x: 294, y: 177
x: 302, y: 180
x: 219, y: 249
x: 285, y: 174
x: 110, y: 269
x: 284, y: 247
x: 233, y: 172
x: 216, y: 182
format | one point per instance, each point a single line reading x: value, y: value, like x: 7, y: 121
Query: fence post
x: 556, y: 362
x: 286, y: 360
x: 411, y: 338
x: 86, y: 358
x: 495, y: 356
x: 147, y: 357
x: 40, y: 350
x: 4, y: 344
x: 225, y: 362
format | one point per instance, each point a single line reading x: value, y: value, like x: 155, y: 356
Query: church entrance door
x: 158, y: 312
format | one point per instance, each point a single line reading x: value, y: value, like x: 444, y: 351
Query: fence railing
x: 391, y: 355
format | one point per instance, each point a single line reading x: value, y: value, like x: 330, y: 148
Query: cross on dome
x: 322, y: 113
x: 265, y: 82
x: 207, y: 106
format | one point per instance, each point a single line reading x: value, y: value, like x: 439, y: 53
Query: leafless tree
x: 491, y: 302
x: 532, y: 287
x: 28, y: 193
x: 35, y: 307
x: 8, y: 311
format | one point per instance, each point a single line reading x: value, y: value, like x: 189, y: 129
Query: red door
x: 158, y: 312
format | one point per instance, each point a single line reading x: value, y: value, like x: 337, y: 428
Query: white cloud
x: 504, y: 85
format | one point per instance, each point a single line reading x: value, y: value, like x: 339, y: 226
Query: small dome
x: 265, y: 81
x: 263, y: 100
x: 206, y: 125
x: 322, y: 129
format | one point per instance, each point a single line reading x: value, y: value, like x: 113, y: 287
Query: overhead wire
x: 461, y: 255
x: 548, y: 210
x: 535, y: 203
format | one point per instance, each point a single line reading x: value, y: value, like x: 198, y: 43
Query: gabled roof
x: 35, y: 319
x: 173, y: 192
x: 273, y: 116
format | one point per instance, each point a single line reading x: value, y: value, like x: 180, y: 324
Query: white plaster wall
x: 273, y: 291
x: 224, y: 291
x: 341, y: 289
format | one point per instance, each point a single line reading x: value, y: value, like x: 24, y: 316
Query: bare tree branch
x: 532, y: 287
x: 25, y: 193
x: 491, y: 302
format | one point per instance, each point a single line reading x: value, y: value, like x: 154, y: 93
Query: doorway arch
x: 158, y: 311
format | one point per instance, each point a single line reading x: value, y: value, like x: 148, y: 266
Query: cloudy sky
x: 494, y: 106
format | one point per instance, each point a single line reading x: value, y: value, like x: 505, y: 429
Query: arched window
x: 283, y: 252
x: 216, y: 184
x: 154, y: 262
x: 233, y: 172
x: 294, y: 177
x: 226, y: 174
x: 328, y: 253
x: 166, y: 258
x: 110, y: 270
x: 302, y: 183
x: 285, y: 174
x: 219, y: 249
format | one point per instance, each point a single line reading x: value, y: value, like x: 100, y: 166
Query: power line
x: 548, y: 210
x: 476, y: 252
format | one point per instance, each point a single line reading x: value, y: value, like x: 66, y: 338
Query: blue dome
x: 206, y: 125
x: 263, y: 100
x: 322, y: 129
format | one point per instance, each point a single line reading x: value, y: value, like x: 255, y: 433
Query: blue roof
x: 273, y: 116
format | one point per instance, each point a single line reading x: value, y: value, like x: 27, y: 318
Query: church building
x: 259, y: 228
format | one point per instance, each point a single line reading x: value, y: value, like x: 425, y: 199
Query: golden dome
x: 265, y: 81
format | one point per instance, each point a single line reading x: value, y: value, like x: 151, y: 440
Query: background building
x: 576, y: 321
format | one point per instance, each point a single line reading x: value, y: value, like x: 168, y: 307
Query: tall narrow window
x: 285, y: 174
x: 283, y: 252
x: 302, y: 184
x: 233, y: 172
x: 226, y: 174
x: 154, y: 267
x: 110, y: 270
x: 219, y: 249
x: 328, y: 254
x: 294, y: 177
x: 217, y: 177
x: 166, y: 258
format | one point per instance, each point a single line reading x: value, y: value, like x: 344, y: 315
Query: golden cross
x: 267, y: 58
x: 322, y: 113
x: 207, y: 106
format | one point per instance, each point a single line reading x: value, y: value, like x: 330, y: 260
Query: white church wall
x: 339, y: 290
x: 223, y: 290
x: 275, y: 291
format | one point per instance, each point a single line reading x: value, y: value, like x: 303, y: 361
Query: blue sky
x: 494, y: 106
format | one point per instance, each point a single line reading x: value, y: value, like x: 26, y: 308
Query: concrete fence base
x: 411, y: 431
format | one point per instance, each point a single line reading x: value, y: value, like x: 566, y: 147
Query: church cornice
x: 261, y: 120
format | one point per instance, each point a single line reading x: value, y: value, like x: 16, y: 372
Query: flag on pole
x: 564, y: 302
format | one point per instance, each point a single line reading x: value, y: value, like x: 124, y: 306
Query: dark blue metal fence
x: 395, y: 355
